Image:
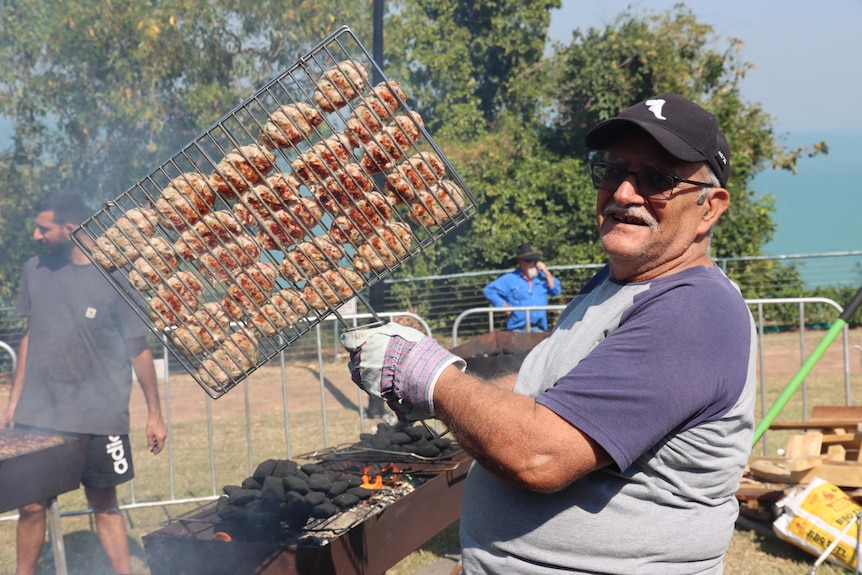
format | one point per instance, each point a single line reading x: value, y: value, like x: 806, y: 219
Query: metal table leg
x: 56, y: 531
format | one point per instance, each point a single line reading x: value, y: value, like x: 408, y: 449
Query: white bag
x: 817, y: 515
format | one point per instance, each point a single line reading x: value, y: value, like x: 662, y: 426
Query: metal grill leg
x: 56, y: 531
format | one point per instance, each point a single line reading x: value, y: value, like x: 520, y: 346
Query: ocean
x: 816, y: 209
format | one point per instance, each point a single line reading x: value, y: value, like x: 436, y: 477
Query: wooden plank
x: 833, y: 412
x: 836, y: 453
x: 842, y: 475
x: 821, y: 424
x: 812, y: 442
x: 794, y: 447
x: 768, y: 471
x: 842, y: 438
x: 803, y: 463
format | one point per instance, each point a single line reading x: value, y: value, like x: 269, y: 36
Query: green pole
x: 808, y: 365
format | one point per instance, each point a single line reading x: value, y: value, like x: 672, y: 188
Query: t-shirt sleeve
x: 22, y: 302
x: 661, y: 370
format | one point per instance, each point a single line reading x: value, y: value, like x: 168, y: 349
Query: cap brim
x: 605, y: 134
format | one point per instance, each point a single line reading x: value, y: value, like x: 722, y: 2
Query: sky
x: 807, y: 55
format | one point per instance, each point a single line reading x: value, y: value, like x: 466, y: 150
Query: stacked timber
x: 829, y: 446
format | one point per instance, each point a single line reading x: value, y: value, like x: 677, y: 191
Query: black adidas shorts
x: 109, y: 459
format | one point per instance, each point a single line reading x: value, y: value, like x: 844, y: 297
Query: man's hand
x: 6, y: 419
x: 541, y: 267
x: 400, y: 365
x: 157, y: 432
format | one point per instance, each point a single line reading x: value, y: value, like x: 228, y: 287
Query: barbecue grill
x: 366, y: 539
x: 37, y: 466
x: 307, y: 193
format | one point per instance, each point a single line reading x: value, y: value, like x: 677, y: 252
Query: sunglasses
x: 650, y: 183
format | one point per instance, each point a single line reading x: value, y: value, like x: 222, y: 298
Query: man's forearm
x: 514, y: 437
x: 146, y: 373
x: 18, y: 378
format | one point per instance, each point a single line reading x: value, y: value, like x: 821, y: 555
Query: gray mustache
x: 641, y: 213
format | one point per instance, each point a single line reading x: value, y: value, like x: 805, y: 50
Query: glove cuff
x: 426, y: 362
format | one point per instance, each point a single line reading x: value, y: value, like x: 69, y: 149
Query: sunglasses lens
x: 607, y: 177
x: 652, y: 183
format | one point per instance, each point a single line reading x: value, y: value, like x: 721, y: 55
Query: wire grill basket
x: 312, y: 190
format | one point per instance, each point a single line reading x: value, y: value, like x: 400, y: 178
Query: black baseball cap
x: 683, y: 128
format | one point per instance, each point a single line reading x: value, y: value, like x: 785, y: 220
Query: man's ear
x: 68, y: 229
x: 715, y: 205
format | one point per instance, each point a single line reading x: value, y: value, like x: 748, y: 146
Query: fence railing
x: 176, y: 487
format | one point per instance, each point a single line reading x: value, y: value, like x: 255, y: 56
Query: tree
x: 604, y: 71
x: 461, y: 58
x: 100, y: 93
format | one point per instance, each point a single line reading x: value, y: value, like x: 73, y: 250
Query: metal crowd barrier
x: 324, y: 340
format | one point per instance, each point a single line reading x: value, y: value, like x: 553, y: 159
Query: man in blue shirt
x: 528, y: 285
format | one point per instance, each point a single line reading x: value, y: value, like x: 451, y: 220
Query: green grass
x: 753, y: 551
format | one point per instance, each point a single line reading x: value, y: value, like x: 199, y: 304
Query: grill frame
x: 370, y: 547
x: 64, y: 455
x: 240, y: 128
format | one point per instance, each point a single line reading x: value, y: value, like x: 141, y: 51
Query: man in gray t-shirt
x: 74, y: 375
x: 619, y: 445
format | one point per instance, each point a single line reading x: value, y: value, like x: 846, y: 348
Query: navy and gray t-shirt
x: 662, y: 375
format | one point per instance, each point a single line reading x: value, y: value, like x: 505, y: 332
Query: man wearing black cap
x: 527, y: 286
x: 619, y: 445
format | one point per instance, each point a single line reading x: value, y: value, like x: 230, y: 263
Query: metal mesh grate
x: 313, y: 189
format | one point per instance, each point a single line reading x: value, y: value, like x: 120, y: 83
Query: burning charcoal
x: 301, y: 474
x: 295, y: 484
x: 380, y: 442
x: 221, y: 503
x: 232, y: 513
x: 261, y: 519
x: 345, y: 500
x: 339, y: 486
x: 265, y: 469
x: 353, y: 480
x: 426, y: 449
x: 366, y: 436
x: 284, y: 468
x: 448, y: 452
x: 251, y: 483
x: 232, y: 490
x: 324, y: 510
x: 360, y: 492
x: 400, y: 438
x: 312, y: 468
x: 296, y: 514
x: 442, y: 442
x: 273, y: 489
x: 244, y: 497
x: 293, y: 496
x: 315, y: 498
x: 319, y: 482
x: 415, y: 433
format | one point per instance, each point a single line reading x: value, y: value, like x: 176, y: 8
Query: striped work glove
x: 400, y: 365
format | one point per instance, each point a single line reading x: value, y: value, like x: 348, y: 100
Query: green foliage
x: 102, y: 91
x: 460, y: 59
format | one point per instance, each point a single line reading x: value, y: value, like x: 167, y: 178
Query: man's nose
x: 627, y: 191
